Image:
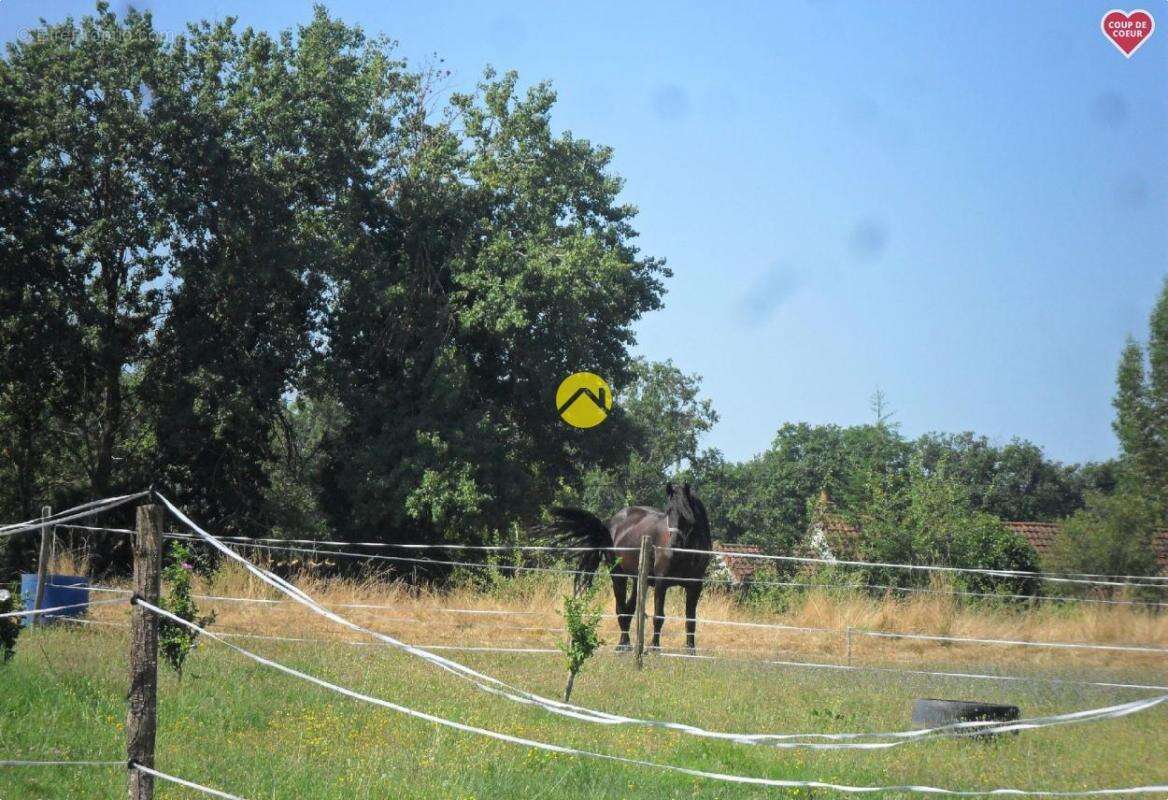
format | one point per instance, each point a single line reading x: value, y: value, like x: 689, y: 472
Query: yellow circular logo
x: 583, y: 400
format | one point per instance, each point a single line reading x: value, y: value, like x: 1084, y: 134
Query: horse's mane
x: 702, y: 518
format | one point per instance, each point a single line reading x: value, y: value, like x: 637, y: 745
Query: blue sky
x: 964, y: 204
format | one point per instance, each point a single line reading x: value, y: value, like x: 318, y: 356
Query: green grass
x: 243, y: 728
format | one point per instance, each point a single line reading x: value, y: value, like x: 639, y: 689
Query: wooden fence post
x: 644, y: 564
x: 142, y: 714
x: 849, y: 640
x: 42, y: 565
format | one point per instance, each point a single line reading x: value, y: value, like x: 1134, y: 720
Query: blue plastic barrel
x: 60, y: 590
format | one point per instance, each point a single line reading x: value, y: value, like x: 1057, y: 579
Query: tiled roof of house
x: 741, y: 569
x: 831, y: 536
x: 1041, y: 536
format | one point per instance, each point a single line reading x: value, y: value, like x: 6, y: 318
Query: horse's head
x: 686, y: 514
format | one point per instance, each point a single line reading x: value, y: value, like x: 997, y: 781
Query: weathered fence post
x: 644, y: 564
x: 142, y: 715
x: 43, y: 565
x: 848, y: 633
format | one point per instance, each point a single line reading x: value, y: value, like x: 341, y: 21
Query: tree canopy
x: 224, y: 241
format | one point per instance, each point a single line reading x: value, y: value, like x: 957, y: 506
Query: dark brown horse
x: 683, y: 524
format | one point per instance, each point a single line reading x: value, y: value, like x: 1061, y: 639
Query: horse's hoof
x: 624, y: 648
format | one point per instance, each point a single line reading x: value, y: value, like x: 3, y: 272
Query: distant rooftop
x: 741, y: 569
x: 1041, y: 536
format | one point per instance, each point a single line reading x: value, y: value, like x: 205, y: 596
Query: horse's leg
x: 623, y: 607
x: 659, y: 590
x: 692, y: 593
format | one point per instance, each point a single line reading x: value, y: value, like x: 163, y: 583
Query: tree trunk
x: 25, y: 466
x: 568, y: 688
x: 111, y: 412
x: 112, y: 361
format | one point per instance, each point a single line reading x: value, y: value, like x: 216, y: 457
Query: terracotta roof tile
x: 1041, y: 536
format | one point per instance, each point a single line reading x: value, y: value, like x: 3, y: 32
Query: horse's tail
x: 576, y: 527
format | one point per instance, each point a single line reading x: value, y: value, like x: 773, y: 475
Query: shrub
x: 176, y: 641
x: 1114, y: 535
x: 929, y: 521
x: 768, y: 590
x: 582, y: 620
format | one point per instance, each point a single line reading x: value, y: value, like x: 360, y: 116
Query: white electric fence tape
x: 1088, y: 578
x: 497, y: 687
x: 997, y: 573
x: 1135, y: 647
x: 69, y: 514
x: 1010, y: 642
x: 718, y: 776
x: 923, y: 673
x: 517, y: 568
x: 62, y: 763
x: 716, y: 656
x: 791, y: 740
x: 54, y: 609
x: 181, y: 782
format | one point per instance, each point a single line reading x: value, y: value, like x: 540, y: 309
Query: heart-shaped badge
x: 1127, y: 30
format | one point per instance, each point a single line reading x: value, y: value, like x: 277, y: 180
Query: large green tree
x: 275, y: 146
x: 1141, y: 406
x: 81, y: 155
x: 1113, y: 535
x: 203, y: 232
x: 507, y: 263
x: 1015, y: 481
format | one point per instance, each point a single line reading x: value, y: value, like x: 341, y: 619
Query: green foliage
x: 765, y: 500
x: 510, y: 268
x: 928, y: 520
x: 10, y: 626
x: 767, y: 589
x: 1014, y: 481
x: 293, y: 470
x: 1113, y: 535
x: 207, y: 234
x: 770, y: 499
x: 1141, y: 406
x: 268, y: 132
x: 80, y: 223
x: 582, y: 618
x: 666, y: 420
x: 176, y: 641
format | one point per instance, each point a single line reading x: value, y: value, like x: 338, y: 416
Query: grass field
x: 243, y: 728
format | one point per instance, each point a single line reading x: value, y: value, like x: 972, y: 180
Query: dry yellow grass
x: 522, y: 612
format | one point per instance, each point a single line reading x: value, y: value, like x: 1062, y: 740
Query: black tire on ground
x: 934, y: 713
